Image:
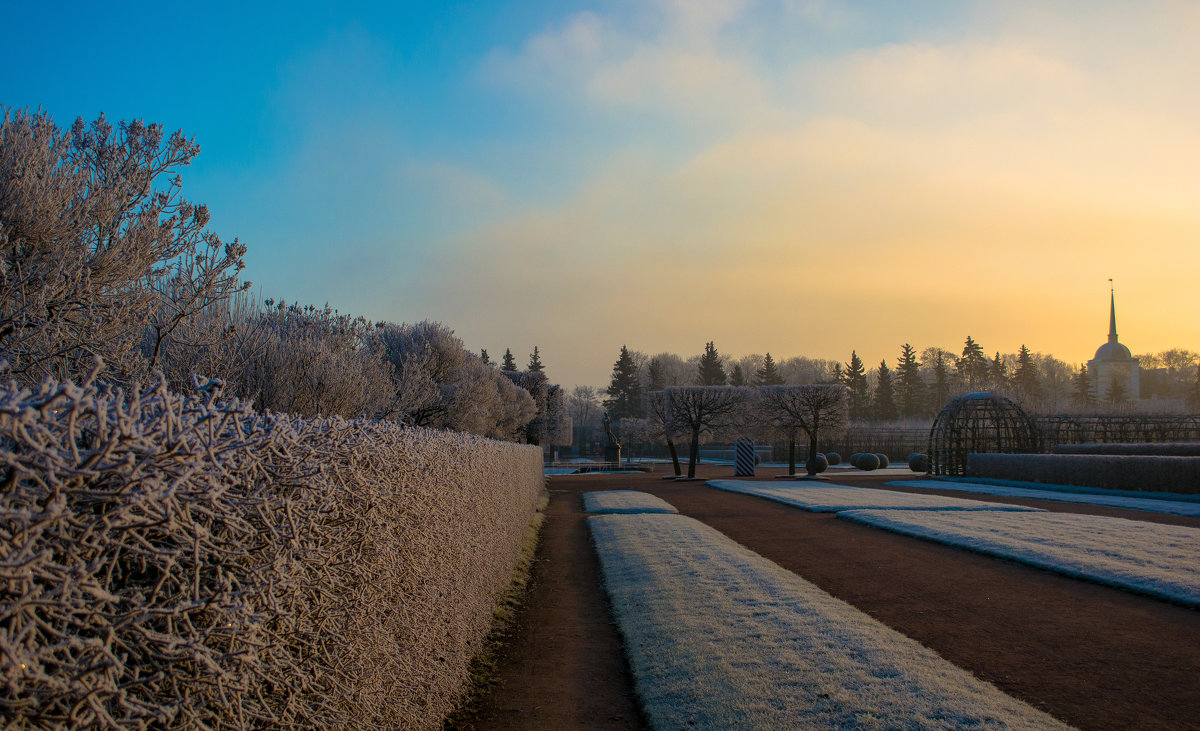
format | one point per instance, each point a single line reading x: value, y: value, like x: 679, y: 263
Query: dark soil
x: 562, y: 667
x: 1093, y: 656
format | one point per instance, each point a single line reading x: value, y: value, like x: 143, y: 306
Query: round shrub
x: 833, y: 458
x: 918, y: 462
x: 868, y: 462
x: 883, y: 460
x: 822, y: 464
x: 854, y: 459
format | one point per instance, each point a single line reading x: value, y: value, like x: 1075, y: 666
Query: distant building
x: 1114, y: 367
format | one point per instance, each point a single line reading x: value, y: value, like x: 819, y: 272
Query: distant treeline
x: 914, y: 386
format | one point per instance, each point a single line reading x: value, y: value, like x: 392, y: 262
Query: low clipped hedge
x: 1159, y: 449
x: 1112, y: 472
x: 186, y: 562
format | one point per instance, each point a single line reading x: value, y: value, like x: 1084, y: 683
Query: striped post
x: 743, y: 458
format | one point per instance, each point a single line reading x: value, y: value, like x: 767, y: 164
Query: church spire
x: 1112, y: 314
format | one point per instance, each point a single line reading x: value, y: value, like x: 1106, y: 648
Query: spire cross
x: 1112, y: 313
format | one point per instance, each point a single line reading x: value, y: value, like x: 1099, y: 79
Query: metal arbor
x: 978, y: 422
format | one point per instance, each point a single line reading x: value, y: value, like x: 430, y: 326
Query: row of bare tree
x: 701, y: 413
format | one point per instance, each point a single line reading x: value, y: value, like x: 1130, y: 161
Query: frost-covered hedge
x: 1112, y: 472
x: 1165, y: 449
x: 186, y: 562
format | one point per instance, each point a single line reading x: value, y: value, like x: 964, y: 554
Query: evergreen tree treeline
x: 916, y: 387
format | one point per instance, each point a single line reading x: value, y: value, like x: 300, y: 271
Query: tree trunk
x: 674, y: 457
x: 791, y: 455
x: 694, y: 457
x: 810, y: 465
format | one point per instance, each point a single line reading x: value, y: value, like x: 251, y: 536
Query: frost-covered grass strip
x: 625, y: 501
x: 835, y: 498
x: 1149, y: 558
x: 1080, y: 489
x: 719, y: 637
x: 1154, y: 505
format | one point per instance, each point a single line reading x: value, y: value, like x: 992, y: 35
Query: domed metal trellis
x: 978, y: 422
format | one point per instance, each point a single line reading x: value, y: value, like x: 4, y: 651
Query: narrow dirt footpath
x: 1090, y: 655
x: 563, y: 666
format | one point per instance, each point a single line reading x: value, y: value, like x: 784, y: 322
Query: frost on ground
x: 1154, y: 505
x: 834, y: 498
x: 1149, y: 558
x: 624, y: 501
x: 719, y: 637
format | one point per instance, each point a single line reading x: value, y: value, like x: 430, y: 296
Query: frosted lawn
x: 1154, y: 505
x: 624, y: 501
x: 1149, y: 558
x: 719, y: 637
x: 835, y: 498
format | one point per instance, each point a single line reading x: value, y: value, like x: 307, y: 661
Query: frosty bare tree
x: 703, y: 410
x: 439, y: 383
x: 808, y: 409
x: 583, y: 404
x: 315, y: 361
x: 659, y: 424
x: 99, y: 253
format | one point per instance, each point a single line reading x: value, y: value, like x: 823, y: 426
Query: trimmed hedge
x: 186, y: 562
x: 1162, y: 449
x: 1112, y: 472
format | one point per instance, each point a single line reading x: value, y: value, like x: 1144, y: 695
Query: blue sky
x: 799, y: 176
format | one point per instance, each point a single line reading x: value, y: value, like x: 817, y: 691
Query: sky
x: 804, y: 177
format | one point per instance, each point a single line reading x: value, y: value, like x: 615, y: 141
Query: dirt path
x: 1093, y: 656
x: 563, y: 667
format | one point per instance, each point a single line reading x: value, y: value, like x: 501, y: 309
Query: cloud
x: 806, y: 200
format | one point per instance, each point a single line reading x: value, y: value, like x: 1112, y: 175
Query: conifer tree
x: 857, y: 386
x: 1025, y: 378
x: 484, y: 356
x: 885, y: 394
x: 656, y: 376
x: 710, y: 371
x: 912, y: 388
x: 973, y: 365
x: 998, y: 372
x: 509, y: 363
x: 535, y: 362
x: 941, y: 381
x: 737, y: 377
x: 1082, y: 387
x: 625, y: 391
x: 768, y: 375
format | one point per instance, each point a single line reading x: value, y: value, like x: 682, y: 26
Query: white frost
x: 625, y: 501
x: 1149, y: 558
x: 1154, y: 505
x: 719, y: 637
x: 834, y: 498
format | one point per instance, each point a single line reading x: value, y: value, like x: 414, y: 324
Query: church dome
x: 1113, y: 352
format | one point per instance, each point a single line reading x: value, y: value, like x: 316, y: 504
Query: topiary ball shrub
x: 868, y: 462
x: 820, y: 463
x: 918, y: 462
x: 854, y: 459
x: 834, y: 458
x: 883, y: 460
